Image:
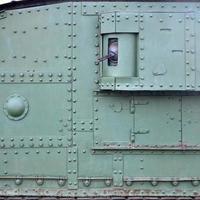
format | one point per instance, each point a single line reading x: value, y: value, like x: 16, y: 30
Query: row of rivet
x: 156, y: 183
x: 31, y: 80
x: 37, y: 60
x: 97, y: 8
x: 32, y: 139
x: 33, y: 142
x: 72, y: 170
x: 83, y: 125
x: 37, y: 151
x: 38, y: 28
x: 141, y: 52
x: 96, y: 73
x: 135, y: 18
x: 128, y: 85
x: 107, y: 182
x: 40, y: 181
x: 72, y: 152
x: 32, y: 145
x: 61, y: 181
x: 75, y: 43
x: 189, y: 54
x: 97, y: 54
x: 69, y: 92
x: 72, y: 12
x: 138, y: 5
x: 96, y: 119
x: 35, y: 10
x: 31, y: 77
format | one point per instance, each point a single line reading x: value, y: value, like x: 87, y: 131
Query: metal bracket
x: 134, y: 133
x: 72, y: 168
x: 132, y: 106
x: 190, y: 51
x: 118, y: 168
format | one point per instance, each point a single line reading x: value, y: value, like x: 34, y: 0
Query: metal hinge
x: 132, y: 106
x: 134, y: 133
x: 118, y: 169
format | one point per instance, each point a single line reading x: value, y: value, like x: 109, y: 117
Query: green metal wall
x: 84, y: 134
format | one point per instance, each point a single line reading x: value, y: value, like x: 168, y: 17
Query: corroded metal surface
x: 97, y: 198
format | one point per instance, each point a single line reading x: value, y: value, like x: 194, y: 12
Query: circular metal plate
x: 16, y: 107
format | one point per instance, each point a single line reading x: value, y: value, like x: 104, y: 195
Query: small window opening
x: 112, y: 51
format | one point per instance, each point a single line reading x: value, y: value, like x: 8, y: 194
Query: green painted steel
x: 72, y: 124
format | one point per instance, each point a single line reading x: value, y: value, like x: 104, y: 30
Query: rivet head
x: 129, y: 182
x: 154, y: 183
x: 87, y: 182
x: 21, y: 74
x: 61, y: 182
x: 2, y: 74
x: 175, y: 183
x: 40, y: 181
x: 18, y: 181
x: 108, y: 182
x: 195, y: 182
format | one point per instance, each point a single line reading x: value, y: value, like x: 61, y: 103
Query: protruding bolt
x: 40, y: 181
x: 195, y: 182
x: 154, y: 183
x: 129, y: 182
x: 87, y: 182
x: 108, y: 182
x: 61, y: 182
x: 18, y: 181
x: 175, y: 183
x: 2, y: 74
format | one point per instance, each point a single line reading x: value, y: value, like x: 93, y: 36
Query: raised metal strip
x: 149, y: 148
x: 72, y: 168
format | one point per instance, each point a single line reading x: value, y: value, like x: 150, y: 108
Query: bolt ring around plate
x: 16, y: 107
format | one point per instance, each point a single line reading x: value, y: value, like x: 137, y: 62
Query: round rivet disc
x: 154, y: 183
x: 40, y: 181
x: 108, y: 182
x: 129, y: 182
x: 18, y: 181
x: 16, y: 107
x: 195, y: 182
x: 61, y: 182
x: 86, y: 183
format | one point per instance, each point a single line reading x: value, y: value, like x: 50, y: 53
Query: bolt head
x: 108, y: 182
x: 61, y: 182
x: 18, y: 181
